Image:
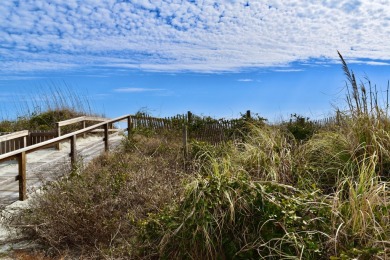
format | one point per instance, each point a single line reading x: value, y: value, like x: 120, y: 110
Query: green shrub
x: 301, y: 127
x: 40, y: 121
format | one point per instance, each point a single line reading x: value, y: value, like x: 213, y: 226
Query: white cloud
x: 377, y: 63
x: 245, y: 80
x: 137, y: 90
x: 189, y: 35
x: 288, y: 70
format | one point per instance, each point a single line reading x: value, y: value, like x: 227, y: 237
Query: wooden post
x: 189, y: 117
x: 84, y: 124
x: 22, y: 176
x: 106, y: 145
x: 58, y: 146
x: 338, y: 117
x: 129, y: 127
x: 185, y: 141
x: 248, y: 114
x: 73, y: 151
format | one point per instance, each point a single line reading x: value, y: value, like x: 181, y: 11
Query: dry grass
x: 97, y: 209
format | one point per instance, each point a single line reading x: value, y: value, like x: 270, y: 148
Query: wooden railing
x: 21, y: 154
x: 82, y: 119
x: 13, y: 141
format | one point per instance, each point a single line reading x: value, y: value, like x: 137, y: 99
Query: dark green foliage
x: 47, y: 120
x: 39, y: 121
x: 301, y: 127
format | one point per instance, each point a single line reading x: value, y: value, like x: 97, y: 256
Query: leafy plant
x: 301, y: 127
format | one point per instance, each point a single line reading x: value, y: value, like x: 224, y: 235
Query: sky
x: 214, y: 58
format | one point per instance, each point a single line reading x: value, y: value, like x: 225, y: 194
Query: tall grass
x: 272, y: 194
x: 226, y: 214
x: 51, y: 97
x: 361, y: 211
x: 40, y: 108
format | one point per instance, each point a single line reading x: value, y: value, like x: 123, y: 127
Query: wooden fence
x: 196, y: 128
x: 326, y: 121
x: 158, y: 124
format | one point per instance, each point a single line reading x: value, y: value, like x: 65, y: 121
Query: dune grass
x: 279, y: 192
x: 42, y: 108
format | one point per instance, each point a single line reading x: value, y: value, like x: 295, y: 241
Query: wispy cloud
x: 13, y: 77
x: 188, y: 35
x: 378, y: 63
x: 245, y: 80
x: 138, y: 90
x: 288, y: 70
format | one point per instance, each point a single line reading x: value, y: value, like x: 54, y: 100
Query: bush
x: 301, y: 127
x: 39, y: 121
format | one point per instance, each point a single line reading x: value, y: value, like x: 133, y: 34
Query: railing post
x: 129, y: 127
x: 189, y: 117
x: 106, y: 147
x: 248, y: 114
x: 58, y: 146
x: 185, y: 141
x: 22, y: 176
x: 73, y: 151
x: 84, y: 124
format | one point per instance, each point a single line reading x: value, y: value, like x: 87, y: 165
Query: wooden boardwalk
x: 48, y: 164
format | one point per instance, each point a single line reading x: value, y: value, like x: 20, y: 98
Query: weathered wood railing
x: 39, y: 136
x: 82, y: 119
x: 21, y: 154
x: 13, y: 141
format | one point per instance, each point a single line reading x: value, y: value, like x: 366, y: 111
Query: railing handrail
x: 96, y: 118
x: 14, y: 135
x: 32, y: 148
x: 71, y: 121
x: 80, y: 119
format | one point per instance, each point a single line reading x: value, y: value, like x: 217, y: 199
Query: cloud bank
x: 189, y: 35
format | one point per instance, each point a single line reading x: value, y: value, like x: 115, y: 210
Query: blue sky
x: 217, y: 58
